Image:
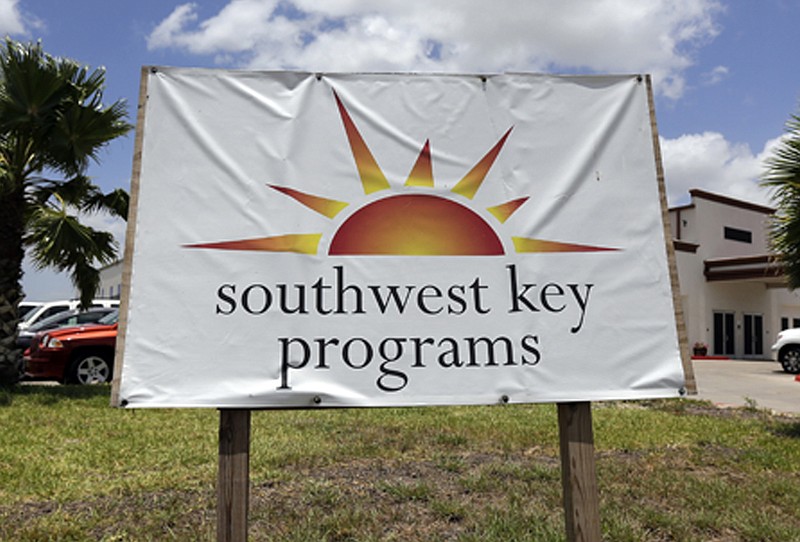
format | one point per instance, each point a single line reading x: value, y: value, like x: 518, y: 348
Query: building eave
x: 732, y: 202
x: 685, y: 246
x: 761, y: 268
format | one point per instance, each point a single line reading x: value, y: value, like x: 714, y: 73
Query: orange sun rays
x: 405, y: 224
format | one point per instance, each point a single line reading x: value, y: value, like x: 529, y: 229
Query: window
x: 85, y: 317
x: 55, y: 309
x: 784, y: 323
x: 735, y: 234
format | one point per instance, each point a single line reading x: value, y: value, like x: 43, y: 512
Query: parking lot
x: 762, y: 384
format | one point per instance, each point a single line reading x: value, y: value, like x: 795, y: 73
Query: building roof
x: 698, y: 193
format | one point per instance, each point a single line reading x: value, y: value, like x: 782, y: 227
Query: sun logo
x: 404, y: 224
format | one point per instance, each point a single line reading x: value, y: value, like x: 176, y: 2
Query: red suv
x: 78, y: 355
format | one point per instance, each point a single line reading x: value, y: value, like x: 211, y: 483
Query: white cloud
x: 719, y: 73
x: 168, y: 32
x: 11, y: 20
x: 711, y: 162
x: 657, y: 36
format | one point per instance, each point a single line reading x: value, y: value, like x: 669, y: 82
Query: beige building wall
x: 734, y: 297
x: 111, y: 281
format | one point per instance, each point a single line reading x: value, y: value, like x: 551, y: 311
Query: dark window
x: 784, y: 323
x: 753, y: 334
x: 89, y: 317
x: 795, y: 322
x: 723, y: 333
x: 55, y: 309
x: 735, y: 234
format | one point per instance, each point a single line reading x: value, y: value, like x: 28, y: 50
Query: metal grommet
x: 317, y: 399
x: 504, y: 399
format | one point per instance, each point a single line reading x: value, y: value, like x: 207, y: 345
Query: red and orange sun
x: 404, y: 224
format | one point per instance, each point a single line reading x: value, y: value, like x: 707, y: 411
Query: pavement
x: 741, y: 383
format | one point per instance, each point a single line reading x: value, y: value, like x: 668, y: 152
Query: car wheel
x: 90, y: 368
x: 790, y: 360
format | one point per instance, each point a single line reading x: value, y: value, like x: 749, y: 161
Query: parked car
x: 68, y: 318
x: 48, y: 309
x: 78, y: 355
x: 27, y: 306
x: 787, y: 350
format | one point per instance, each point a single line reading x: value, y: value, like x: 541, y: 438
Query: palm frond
x: 86, y: 280
x: 115, y: 203
x: 59, y: 240
x: 78, y: 135
x: 52, y: 109
x: 72, y: 192
x: 782, y: 177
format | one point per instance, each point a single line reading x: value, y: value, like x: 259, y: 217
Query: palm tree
x: 783, y: 177
x: 52, y: 124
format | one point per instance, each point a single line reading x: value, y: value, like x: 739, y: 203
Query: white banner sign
x: 386, y: 239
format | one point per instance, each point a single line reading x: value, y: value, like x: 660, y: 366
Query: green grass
x: 74, y: 469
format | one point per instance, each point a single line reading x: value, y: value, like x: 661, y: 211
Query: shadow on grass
x: 47, y: 394
x: 789, y: 430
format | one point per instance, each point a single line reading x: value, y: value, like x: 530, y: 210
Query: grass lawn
x: 72, y: 468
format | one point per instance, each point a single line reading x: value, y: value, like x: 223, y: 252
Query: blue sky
x: 725, y: 72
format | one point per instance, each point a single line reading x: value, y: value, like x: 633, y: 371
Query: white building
x: 110, y: 281
x: 733, y: 294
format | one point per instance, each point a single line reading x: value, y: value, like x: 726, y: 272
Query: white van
x: 54, y: 307
x: 25, y: 307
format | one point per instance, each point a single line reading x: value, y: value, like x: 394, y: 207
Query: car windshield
x: 110, y: 318
x: 25, y: 309
x: 52, y: 321
x: 71, y: 317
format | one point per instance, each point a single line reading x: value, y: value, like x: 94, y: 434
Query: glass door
x: 753, y: 335
x: 723, y: 334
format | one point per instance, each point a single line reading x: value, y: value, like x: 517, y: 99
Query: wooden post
x: 578, y: 475
x: 130, y: 235
x: 683, y: 342
x: 233, y: 478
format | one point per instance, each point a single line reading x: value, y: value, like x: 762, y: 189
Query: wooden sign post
x: 578, y: 474
x: 233, y: 478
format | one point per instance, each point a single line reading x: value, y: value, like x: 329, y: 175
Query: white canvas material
x: 329, y: 240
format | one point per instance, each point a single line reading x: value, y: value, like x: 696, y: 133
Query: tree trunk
x: 12, y: 225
